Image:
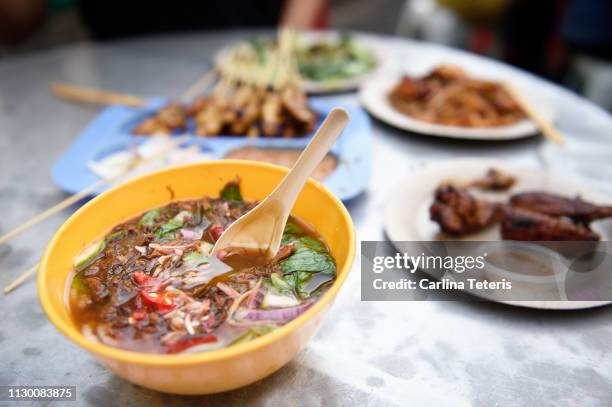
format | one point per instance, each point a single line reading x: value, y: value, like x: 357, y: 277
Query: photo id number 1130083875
x: 37, y: 393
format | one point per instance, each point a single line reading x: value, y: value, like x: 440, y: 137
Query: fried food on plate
x: 448, y: 96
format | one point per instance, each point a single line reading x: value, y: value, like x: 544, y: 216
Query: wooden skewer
x: 19, y: 280
x: 78, y: 196
x: 199, y: 86
x: 53, y: 210
x: 102, y: 97
x: 543, y: 124
x: 96, y: 96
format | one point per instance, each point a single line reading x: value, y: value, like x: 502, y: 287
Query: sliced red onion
x: 229, y: 291
x: 192, y: 234
x: 254, y: 299
x: 277, y: 315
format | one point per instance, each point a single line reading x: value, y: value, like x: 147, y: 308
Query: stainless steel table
x: 381, y: 353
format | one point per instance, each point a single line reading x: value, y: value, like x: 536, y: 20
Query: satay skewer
x: 83, y: 94
x: 23, y: 277
x: 545, y: 126
x: 31, y: 271
x: 84, y: 193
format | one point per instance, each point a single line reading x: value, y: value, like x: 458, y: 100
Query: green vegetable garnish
x: 195, y: 258
x: 168, y: 227
x: 305, y: 259
x: 310, y: 256
x: 307, y: 242
x: 91, y: 252
x: 172, y: 225
x: 182, y: 216
x: 79, y: 285
x: 281, y: 285
x: 231, y: 192
x: 330, y: 61
x: 298, y: 280
x: 148, y: 219
x: 255, y: 332
x: 292, y: 229
x: 114, y: 236
x: 206, y: 247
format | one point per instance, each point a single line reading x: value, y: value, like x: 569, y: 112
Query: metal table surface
x: 449, y: 352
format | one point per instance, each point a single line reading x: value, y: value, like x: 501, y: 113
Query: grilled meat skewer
x: 556, y: 205
x: 460, y: 213
x: 526, y: 225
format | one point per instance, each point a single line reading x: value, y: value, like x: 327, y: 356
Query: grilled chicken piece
x: 198, y: 105
x: 209, y: 121
x: 271, y: 114
x: 460, y: 213
x: 526, y: 225
x: 242, y: 97
x: 150, y: 126
x: 238, y: 110
x: 495, y: 180
x: 556, y: 205
x: 173, y: 116
x: 296, y: 104
x: 447, y: 73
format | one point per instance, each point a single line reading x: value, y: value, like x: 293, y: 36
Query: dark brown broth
x: 111, y: 296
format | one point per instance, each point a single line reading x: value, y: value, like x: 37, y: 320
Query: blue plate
x: 110, y: 132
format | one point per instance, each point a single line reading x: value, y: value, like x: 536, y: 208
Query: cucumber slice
x: 271, y: 300
x: 206, y: 247
x: 87, y: 255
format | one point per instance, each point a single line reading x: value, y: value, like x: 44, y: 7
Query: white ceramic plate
x: 374, y: 97
x: 317, y: 87
x: 407, y: 209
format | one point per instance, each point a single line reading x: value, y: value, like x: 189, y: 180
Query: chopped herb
x: 281, y: 285
x: 114, y: 236
x: 182, y: 216
x: 171, y: 226
x: 88, y: 255
x: 148, y: 219
x: 309, y: 242
x: 308, y: 260
x: 292, y: 228
x: 195, y: 258
x: 298, y: 280
x: 231, y: 192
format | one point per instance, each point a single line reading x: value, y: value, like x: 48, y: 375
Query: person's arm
x: 19, y: 19
x: 304, y: 14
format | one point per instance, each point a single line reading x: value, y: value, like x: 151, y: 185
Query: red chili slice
x: 189, y: 342
x: 216, y: 232
x: 162, y: 302
x: 141, y: 278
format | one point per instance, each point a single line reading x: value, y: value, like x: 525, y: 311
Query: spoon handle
x: 287, y: 191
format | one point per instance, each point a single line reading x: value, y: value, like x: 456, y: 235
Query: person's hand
x: 302, y: 15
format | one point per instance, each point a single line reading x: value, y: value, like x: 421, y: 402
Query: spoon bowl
x: 261, y: 229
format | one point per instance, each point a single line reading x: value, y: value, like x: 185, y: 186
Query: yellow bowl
x: 206, y: 372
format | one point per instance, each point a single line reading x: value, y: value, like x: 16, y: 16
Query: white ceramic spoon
x: 262, y: 227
